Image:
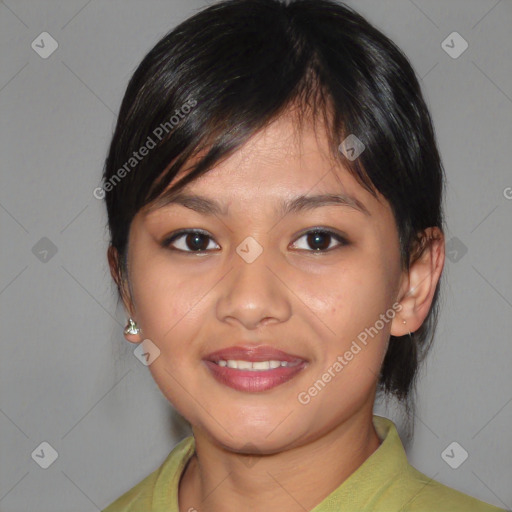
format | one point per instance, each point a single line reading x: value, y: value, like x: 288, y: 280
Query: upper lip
x: 253, y: 354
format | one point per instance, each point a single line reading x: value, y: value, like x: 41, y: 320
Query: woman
x: 274, y: 197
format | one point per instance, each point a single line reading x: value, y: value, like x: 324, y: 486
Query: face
x: 319, y: 283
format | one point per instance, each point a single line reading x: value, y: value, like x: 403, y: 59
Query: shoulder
x: 425, y: 494
x: 397, y: 485
x: 138, y: 497
x: 143, y: 495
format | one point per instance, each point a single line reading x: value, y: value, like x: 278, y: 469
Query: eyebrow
x: 300, y: 203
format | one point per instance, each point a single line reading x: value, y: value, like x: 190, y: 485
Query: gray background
x: 67, y: 375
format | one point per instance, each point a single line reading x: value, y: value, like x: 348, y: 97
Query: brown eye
x: 189, y: 241
x: 319, y: 240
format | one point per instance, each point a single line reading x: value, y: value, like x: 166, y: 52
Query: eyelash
x: 172, y: 238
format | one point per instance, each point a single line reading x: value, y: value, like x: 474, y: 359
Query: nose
x: 252, y: 294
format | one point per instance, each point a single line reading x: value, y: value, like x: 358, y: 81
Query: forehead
x: 279, y: 156
x: 279, y: 163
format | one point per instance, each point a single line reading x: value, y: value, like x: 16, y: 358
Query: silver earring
x: 131, y: 327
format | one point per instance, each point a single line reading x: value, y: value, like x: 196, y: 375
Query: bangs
x: 307, y: 105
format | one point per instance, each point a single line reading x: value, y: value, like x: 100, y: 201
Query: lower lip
x: 253, y: 381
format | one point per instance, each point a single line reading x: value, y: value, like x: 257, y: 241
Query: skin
x: 291, y: 297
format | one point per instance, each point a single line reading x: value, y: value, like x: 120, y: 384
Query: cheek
x: 169, y: 308
x: 167, y: 300
x: 354, y: 297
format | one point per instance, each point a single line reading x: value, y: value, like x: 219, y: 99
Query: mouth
x: 253, y: 369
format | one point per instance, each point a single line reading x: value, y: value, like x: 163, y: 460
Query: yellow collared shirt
x: 385, y: 482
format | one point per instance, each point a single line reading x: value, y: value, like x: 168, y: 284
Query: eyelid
x: 184, y: 231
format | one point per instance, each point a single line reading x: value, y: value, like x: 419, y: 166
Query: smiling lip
x: 253, y: 354
x: 253, y: 381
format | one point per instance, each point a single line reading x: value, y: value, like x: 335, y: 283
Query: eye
x: 189, y: 240
x: 320, y: 240
x: 196, y: 241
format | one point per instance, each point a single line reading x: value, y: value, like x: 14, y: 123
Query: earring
x: 131, y: 327
x: 404, y: 322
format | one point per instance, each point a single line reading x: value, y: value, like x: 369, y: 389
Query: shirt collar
x: 373, y: 476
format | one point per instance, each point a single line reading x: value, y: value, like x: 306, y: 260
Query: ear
x: 419, y: 284
x: 113, y: 262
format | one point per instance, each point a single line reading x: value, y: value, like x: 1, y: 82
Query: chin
x: 252, y: 439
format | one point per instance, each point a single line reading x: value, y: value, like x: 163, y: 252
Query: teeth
x: 256, y: 366
x: 260, y: 365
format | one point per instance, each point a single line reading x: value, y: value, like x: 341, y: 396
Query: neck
x: 298, y: 479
